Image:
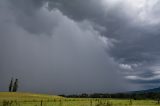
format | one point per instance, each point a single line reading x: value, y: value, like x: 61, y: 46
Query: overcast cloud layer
x: 75, y: 46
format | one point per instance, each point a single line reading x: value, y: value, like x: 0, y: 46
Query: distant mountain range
x: 148, y: 90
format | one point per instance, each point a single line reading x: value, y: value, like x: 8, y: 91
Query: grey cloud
x: 77, y: 9
x: 118, y: 21
x: 74, y: 28
x: 71, y: 60
x: 110, y: 18
x: 142, y: 80
x: 28, y: 15
x: 136, y: 30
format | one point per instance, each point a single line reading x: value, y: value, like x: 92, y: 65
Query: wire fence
x: 46, y: 103
x: 80, y: 102
x: 30, y: 103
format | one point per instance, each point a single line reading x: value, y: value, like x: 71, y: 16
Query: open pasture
x: 29, y: 99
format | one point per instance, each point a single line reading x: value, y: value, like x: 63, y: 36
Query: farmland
x: 29, y: 99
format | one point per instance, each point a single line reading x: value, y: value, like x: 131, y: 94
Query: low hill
x: 154, y: 90
x: 19, y: 96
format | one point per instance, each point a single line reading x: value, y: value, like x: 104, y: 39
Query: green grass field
x: 29, y: 99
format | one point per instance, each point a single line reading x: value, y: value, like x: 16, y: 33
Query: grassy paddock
x: 29, y: 99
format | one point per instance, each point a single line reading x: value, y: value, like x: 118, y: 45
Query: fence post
x: 158, y: 101
x: 60, y: 103
x: 41, y: 102
x: 90, y: 102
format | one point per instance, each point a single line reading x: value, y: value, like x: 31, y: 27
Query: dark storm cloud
x: 72, y: 59
x: 79, y: 46
x: 77, y: 9
x: 119, y: 24
x: 28, y: 15
x: 111, y: 18
x: 136, y: 29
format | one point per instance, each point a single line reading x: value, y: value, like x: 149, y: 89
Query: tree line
x: 135, y: 96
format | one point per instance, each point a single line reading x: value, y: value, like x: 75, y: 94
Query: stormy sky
x: 77, y: 46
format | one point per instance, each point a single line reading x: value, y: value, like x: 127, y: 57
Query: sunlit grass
x: 31, y: 99
x: 26, y: 96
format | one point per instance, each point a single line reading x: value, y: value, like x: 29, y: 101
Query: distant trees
x: 131, y: 96
x: 13, y: 87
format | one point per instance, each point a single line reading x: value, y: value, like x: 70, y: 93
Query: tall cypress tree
x: 11, y: 85
x: 15, y: 87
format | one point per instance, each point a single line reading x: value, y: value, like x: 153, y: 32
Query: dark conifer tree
x: 11, y: 85
x: 15, y: 87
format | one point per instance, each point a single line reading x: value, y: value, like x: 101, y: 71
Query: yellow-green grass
x: 31, y: 99
x: 19, y: 96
